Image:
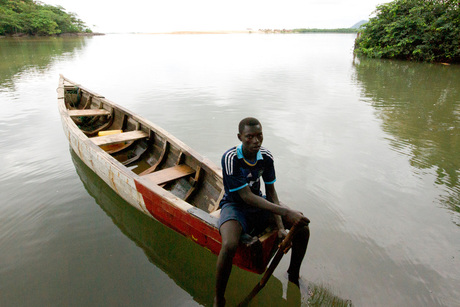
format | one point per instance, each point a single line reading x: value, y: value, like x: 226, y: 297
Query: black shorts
x: 253, y: 220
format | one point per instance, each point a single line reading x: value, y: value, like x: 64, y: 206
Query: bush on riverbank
x: 19, y: 17
x: 420, y: 30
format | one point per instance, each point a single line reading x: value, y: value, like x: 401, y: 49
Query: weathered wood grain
x: 117, y: 138
x: 170, y: 174
x: 88, y: 112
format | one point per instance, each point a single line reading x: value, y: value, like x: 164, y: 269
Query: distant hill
x: 359, y: 24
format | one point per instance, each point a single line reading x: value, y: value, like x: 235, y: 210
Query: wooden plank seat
x: 88, y: 112
x: 169, y: 174
x: 118, y: 138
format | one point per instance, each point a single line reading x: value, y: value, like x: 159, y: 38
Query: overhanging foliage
x: 420, y: 30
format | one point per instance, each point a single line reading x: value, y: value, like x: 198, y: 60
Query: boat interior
x: 144, y: 150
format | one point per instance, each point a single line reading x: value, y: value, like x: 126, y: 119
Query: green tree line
x: 339, y: 30
x: 419, y: 30
x: 314, y: 30
x: 35, y: 18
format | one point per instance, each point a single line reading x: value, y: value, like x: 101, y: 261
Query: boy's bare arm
x: 292, y: 216
x: 272, y: 196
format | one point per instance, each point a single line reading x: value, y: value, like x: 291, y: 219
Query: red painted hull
x: 253, y: 258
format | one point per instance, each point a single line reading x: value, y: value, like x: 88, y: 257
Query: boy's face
x: 252, y: 139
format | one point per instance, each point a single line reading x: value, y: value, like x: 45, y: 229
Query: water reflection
x: 19, y: 54
x: 190, y: 266
x: 419, y: 105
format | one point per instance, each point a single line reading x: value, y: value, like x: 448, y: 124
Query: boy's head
x: 248, y: 121
x: 251, y: 137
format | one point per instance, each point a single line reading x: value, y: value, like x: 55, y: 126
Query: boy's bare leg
x: 299, y: 248
x: 230, y: 232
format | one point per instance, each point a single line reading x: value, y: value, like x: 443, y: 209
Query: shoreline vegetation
x: 314, y: 30
x: 19, y: 18
x: 263, y: 31
x: 413, y: 30
x: 71, y: 34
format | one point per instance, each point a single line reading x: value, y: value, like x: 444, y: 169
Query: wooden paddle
x: 283, y: 248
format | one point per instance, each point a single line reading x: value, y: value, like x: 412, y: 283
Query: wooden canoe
x: 153, y: 171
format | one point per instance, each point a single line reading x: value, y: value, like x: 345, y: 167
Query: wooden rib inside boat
x: 153, y: 171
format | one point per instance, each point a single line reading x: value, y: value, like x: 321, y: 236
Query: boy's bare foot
x: 294, y: 279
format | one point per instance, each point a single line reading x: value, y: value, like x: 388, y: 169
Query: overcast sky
x: 173, y: 15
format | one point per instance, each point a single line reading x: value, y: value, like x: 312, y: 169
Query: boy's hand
x: 295, y: 217
x: 282, y: 233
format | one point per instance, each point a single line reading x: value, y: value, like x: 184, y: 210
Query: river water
x: 367, y: 149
